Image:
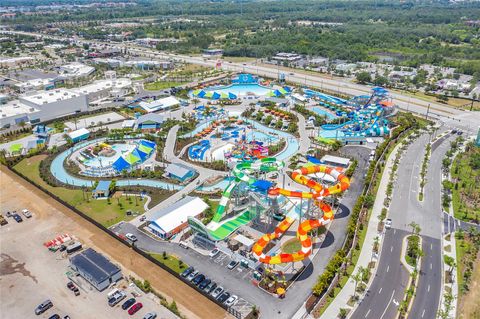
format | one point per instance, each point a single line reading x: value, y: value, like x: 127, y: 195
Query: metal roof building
x: 95, y: 268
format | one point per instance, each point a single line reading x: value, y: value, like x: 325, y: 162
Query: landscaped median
x: 335, y: 279
x: 411, y: 259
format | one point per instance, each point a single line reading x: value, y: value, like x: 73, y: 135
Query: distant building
x: 79, y: 135
x: 335, y: 161
x: 287, y: 57
x: 150, y: 64
x: 105, y: 88
x: 15, y: 61
x: 95, y: 268
x: 179, y: 172
x: 397, y: 76
x: 76, y: 70
x: 169, y: 221
x: 35, y: 84
x: 212, y: 53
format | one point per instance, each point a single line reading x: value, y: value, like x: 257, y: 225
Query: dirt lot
x: 29, y: 273
x: 468, y: 307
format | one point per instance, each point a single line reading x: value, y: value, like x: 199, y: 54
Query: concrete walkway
x: 367, y: 249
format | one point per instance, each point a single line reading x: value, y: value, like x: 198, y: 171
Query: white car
x: 150, y: 315
x: 231, y: 301
x: 214, y: 253
x: 26, y: 213
x: 192, y: 275
x: 388, y: 223
x: 217, y: 292
x: 131, y: 236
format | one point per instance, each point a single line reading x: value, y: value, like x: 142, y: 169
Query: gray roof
x: 150, y: 117
x: 178, y: 170
x: 97, y: 266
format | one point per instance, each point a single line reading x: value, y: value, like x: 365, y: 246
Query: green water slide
x: 218, y: 229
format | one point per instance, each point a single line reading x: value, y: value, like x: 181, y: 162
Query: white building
x: 289, y: 57
x: 42, y: 106
x: 149, y: 64
x: 34, y: 84
x: 105, y: 88
x: 76, y: 70
x: 15, y: 61
x: 160, y: 104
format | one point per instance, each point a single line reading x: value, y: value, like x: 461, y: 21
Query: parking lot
x: 31, y: 274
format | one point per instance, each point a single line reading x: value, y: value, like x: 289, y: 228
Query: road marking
x: 394, y: 231
x: 423, y: 313
x: 396, y: 303
x: 380, y: 290
x: 391, y: 248
x: 366, y: 315
x: 428, y: 288
x: 431, y: 246
x: 388, y: 268
x: 431, y: 266
x: 385, y: 311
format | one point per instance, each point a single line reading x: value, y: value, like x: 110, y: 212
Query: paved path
x: 366, y: 252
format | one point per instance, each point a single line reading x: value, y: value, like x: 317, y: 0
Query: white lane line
x: 388, y: 304
x: 391, y: 248
x: 423, y: 313
x: 388, y: 268
x: 380, y: 291
x: 366, y: 315
x: 431, y: 246
x: 428, y: 289
x: 431, y: 266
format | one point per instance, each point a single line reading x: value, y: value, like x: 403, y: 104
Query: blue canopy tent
x: 216, y: 96
x: 201, y: 94
x: 140, y: 154
x: 148, y: 143
x: 232, y: 96
x: 120, y: 164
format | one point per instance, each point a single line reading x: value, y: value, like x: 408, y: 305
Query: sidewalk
x: 367, y: 249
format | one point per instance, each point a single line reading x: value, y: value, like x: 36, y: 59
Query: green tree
x: 363, y: 77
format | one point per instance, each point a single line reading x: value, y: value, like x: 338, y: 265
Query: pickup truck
x: 116, y: 298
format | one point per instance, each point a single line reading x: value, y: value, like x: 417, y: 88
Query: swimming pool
x: 241, y: 89
x: 323, y: 112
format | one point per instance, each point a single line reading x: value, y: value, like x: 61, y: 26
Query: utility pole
x: 428, y: 110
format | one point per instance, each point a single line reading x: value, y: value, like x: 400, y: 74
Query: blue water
x: 323, y: 112
x: 63, y: 176
x: 241, y: 89
x: 332, y: 133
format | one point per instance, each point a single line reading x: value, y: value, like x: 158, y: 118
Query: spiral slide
x: 318, y: 193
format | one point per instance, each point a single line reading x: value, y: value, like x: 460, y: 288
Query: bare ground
x: 468, y: 305
x: 63, y: 220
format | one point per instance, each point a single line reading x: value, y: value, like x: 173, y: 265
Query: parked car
x: 204, y: 283
x: 116, y: 298
x: 54, y: 316
x: 192, y: 275
x: 187, y: 272
x: 73, y: 247
x: 244, y: 263
x: 231, y: 301
x: 217, y: 292
x: 183, y: 246
x: 232, y: 264
x: 17, y: 218
x: 214, y: 253
x: 127, y: 304
x: 150, y: 315
x: 26, y: 213
x: 388, y: 223
x: 210, y: 287
x: 44, y: 306
x: 131, y: 236
x: 136, y: 307
x: 223, y: 297
x: 198, y: 279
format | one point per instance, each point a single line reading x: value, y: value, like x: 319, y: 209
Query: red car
x: 136, y: 307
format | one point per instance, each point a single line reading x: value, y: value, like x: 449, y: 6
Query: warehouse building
x: 95, y: 268
x: 160, y: 104
x: 79, y: 135
x: 105, y: 88
x: 179, y: 172
x: 168, y: 222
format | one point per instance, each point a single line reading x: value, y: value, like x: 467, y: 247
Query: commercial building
x: 42, y: 106
x: 76, y: 70
x: 35, y: 84
x: 179, y: 172
x: 105, y: 88
x: 79, y: 135
x: 149, y: 64
x: 15, y: 61
x: 167, y: 222
x: 287, y: 57
x: 160, y: 104
x: 95, y: 268
x: 213, y: 53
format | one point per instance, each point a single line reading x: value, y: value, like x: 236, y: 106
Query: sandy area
x: 469, y: 307
x: 51, y: 219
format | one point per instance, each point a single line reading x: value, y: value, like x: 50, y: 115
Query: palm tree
x: 357, y: 278
x: 75, y: 121
x: 415, y: 228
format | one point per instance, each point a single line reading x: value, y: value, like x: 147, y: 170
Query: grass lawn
x: 101, y: 210
x: 291, y: 246
x: 461, y: 246
x: 465, y: 193
x: 160, y: 85
x: 171, y: 262
x: 452, y: 102
x: 238, y: 59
